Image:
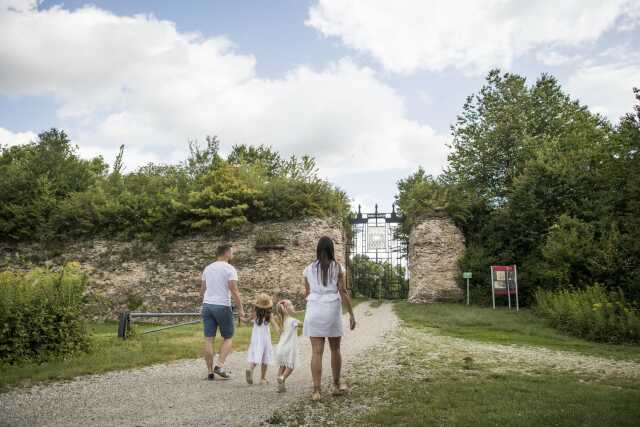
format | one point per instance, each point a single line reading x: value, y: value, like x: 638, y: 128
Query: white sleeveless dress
x: 287, y: 350
x: 323, y: 317
x: 260, y: 350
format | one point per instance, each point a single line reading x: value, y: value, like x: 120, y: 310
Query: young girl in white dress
x: 260, y: 350
x: 287, y: 350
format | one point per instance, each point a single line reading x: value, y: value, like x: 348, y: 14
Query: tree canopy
x: 536, y: 179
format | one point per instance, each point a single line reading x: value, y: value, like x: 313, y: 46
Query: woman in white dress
x: 325, y: 288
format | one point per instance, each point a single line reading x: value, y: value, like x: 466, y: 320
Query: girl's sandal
x: 249, y: 376
x: 316, y: 396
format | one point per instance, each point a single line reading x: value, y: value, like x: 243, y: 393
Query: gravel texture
x: 177, y: 393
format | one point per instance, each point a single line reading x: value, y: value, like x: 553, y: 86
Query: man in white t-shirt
x: 219, y: 284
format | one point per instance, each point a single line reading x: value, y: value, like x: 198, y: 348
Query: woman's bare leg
x: 317, y: 348
x: 336, y: 359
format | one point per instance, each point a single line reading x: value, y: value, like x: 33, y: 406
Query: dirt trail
x: 177, y: 394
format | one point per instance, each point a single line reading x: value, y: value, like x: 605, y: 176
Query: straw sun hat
x: 263, y: 301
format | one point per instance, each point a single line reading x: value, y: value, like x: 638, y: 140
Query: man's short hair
x: 222, y: 249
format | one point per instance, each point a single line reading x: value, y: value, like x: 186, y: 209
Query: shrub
x: 269, y: 238
x: 50, y: 194
x: 591, y: 313
x: 40, y: 314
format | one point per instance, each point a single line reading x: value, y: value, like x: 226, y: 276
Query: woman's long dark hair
x: 325, y: 256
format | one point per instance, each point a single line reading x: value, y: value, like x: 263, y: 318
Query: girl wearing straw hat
x: 260, y: 350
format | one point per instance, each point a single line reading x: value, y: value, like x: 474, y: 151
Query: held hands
x: 352, y: 322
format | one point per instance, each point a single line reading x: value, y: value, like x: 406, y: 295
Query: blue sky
x: 369, y: 88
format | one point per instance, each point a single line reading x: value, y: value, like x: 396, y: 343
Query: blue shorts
x: 217, y: 316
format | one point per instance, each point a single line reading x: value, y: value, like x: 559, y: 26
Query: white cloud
x: 606, y: 88
x: 553, y: 58
x: 139, y: 81
x: 10, y: 138
x: 406, y: 36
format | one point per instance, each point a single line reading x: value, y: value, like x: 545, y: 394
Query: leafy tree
x: 36, y: 177
x: 376, y: 279
x: 202, y: 160
x: 261, y: 155
x: 536, y: 179
x: 222, y: 200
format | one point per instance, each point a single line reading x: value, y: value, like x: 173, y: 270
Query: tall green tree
x: 534, y: 178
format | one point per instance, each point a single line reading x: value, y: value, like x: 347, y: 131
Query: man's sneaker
x: 249, y: 376
x: 221, y: 373
x: 210, y: 377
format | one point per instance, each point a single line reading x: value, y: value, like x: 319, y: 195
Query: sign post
x: 467, y: 275
x: 493, y: 292
x: 515, y: 279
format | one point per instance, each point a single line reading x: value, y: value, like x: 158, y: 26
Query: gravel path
x: 177, y: 394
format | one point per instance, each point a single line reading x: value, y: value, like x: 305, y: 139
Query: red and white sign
x: 504, y: 281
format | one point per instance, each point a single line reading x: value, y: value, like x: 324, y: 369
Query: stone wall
x: 435, y: 244
x: 122, y: 274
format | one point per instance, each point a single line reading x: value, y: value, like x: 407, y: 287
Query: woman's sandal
x: 339, y: 390
x: 316, y: 396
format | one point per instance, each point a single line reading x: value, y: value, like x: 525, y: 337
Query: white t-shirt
x: 217, y: 276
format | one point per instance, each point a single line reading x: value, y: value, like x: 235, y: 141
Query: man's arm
x: 203, y: 288
x: 235, y: 293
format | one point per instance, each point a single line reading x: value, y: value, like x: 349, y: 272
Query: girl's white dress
x: 323, y: 317
x: 260, y: 350
x: 287, y: 349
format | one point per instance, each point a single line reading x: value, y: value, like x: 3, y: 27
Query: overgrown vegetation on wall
x: 40, y: 314
x: 535, y: 178
x: 49, y: 193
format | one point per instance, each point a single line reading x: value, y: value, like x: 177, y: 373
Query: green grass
x: 494, y: 400
x: 108, y: 353
x: 503, y: 327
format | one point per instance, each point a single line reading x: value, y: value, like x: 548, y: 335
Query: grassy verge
x: 503, y: 327
x: 109, y: 353
x: 489, y: 400
x: 419, y: 376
